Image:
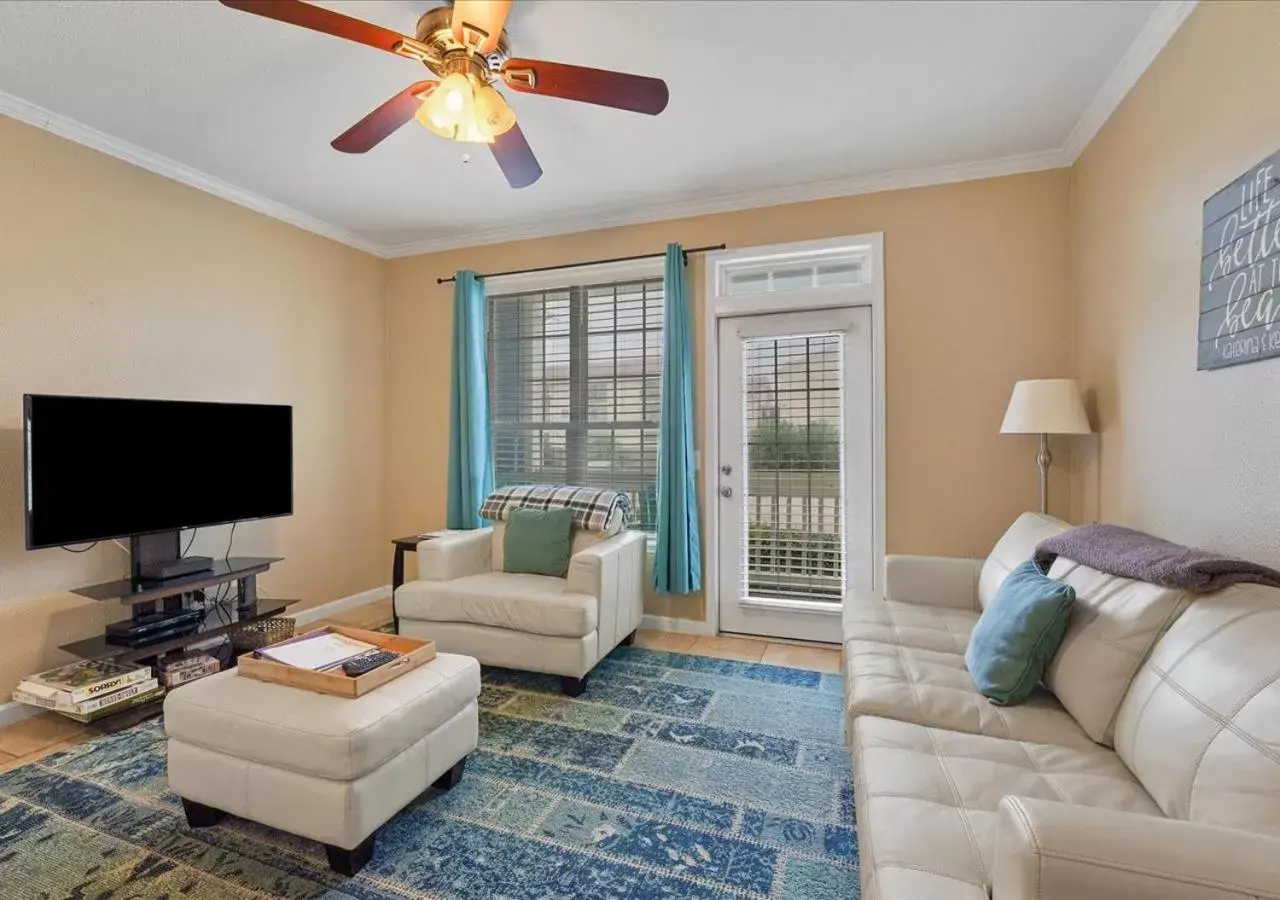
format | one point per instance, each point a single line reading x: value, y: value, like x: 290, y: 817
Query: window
x: 575, y: 387
x: 789, y: 276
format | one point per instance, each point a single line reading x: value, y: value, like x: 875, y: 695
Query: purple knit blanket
x: 1133, y: 554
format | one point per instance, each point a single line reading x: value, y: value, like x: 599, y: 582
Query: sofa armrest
x: 456, y: 555
x: 951, y: 582
x: 612, y: 571
x: 1052, y: 851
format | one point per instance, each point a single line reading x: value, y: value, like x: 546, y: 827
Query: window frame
x: 575, y: 282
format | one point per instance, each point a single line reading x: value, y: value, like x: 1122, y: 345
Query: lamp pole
x: 1043, y: 459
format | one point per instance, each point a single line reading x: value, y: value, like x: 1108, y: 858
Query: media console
x: 150, y: 600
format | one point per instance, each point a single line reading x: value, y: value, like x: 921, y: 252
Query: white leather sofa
x: 561, y: 626
x: 1147, y: 766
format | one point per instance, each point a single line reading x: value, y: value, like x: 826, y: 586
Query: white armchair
x: 562, y: 626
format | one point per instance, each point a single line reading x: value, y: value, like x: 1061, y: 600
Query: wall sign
x: 1240, y: 270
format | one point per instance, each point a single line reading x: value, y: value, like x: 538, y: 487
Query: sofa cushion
x: 1013, y: 549
x: 318, y: 734
x: 927, y: 801
x: 1200, y: 727
x: 1114, y: 624
x: 533, y: 604
x: 1017, y: 634
x: 933, y: 687
x: 907, y: 624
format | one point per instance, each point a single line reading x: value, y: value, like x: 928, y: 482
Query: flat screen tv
x: 99, y: 468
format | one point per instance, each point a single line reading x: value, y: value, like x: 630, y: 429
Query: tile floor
x: 46, y: 733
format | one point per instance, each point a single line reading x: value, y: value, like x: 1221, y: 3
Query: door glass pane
x: 793, y: 508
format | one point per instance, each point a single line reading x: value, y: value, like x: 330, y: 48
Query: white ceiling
x: 245, y: 107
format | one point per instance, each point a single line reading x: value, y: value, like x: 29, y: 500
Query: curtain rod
x: 594, y: 262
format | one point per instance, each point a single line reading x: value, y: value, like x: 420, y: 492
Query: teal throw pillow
x: 538, y: 542
x: 1018, y: 634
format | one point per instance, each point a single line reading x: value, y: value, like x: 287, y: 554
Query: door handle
x: 726, y: 491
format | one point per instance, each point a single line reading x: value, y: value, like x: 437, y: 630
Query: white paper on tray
x: 323, y: 651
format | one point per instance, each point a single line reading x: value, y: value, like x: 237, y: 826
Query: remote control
x: 368, y: 662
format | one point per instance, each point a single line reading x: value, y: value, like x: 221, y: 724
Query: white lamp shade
x: 1046, y: 406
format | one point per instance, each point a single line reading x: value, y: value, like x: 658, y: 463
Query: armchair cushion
x: 533, y: 604
x: 538, y: 542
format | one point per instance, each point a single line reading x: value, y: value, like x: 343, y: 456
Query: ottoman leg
x: 573, y: 687
x: 349, y: 862
x: 201, y: 816
x: 628, y: 640
x: 450, y: 778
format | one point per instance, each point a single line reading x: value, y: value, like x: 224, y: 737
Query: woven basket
x: 259, y: 634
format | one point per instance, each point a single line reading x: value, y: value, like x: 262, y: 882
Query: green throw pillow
x: 1018, y: 634
x: 538, y: 542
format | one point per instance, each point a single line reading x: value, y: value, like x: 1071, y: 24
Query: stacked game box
x: 180, y: 668
x: 89, y: 689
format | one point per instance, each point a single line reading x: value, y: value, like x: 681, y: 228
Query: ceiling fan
x: 465, y: 46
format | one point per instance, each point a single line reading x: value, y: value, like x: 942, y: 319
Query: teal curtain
x: 677, y: 565
x: 470, y: 446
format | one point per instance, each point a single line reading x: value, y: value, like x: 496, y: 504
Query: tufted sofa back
x: 1013, y: 549
x: 1200, y: 725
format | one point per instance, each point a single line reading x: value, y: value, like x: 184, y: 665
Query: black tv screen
x: 100, y: 468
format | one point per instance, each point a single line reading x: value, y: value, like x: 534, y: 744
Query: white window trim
x: 868, y: 249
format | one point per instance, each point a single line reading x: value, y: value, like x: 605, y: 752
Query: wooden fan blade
x: 376, y: 127
x: 515, y: 158
x: 637, y: 93
x: 317, y: 18
x: 478, y: 23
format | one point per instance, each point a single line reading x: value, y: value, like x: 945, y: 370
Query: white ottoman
x: 324, y: 767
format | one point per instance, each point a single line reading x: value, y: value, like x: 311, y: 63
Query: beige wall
x: 116, y: 281
x: 977, y: 297
x: 1188, y: 455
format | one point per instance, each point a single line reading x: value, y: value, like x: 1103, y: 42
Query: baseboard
x: 684, y: 626
x: 13, y: 712
x: 342, y: 604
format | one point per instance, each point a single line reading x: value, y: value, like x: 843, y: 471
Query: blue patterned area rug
x: 673, y: 776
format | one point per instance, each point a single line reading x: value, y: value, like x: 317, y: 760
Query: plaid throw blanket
x: 594, y: 509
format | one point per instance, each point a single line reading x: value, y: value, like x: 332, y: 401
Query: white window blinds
x: 575, y: 379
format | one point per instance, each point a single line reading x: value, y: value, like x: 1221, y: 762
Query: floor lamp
x: 1045, y: 406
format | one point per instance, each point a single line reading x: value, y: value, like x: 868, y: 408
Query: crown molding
x: 66, y: 127
x: 683, y: 209
x: 1166, y: 19
x: 1159, y: 28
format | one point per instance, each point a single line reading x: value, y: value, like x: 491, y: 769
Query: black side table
x: 410, y: 543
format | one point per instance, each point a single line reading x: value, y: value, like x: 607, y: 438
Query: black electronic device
x: 153, y: 628
x: 368, y: 662
x: 164, y: 569
x: 99, y: 468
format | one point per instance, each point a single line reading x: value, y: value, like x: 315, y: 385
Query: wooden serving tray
x: 413, y: 653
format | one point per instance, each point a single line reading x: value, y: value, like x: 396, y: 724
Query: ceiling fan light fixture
x: 451, y: 112
x: 492, y: 110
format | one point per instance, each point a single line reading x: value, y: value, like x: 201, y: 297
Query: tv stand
x: 149, y: 597
x: 158, y: 557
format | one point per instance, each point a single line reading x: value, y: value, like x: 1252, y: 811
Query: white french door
x: 794, y: 470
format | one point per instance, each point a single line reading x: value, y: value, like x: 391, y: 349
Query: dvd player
x: 152, y: 628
